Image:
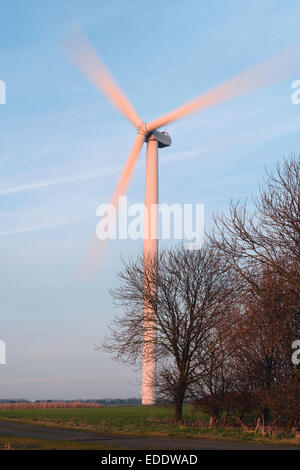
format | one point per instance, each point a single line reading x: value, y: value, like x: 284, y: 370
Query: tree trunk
x: 178, y: 410
x: 266, y: 415
x: 179, y: 402
x: 226, y: 417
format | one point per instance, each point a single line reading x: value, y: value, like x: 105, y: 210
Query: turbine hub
x: 142, y: 129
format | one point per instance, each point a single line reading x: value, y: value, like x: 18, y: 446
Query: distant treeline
x: 47, y: 404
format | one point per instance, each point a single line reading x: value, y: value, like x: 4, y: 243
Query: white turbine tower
x: 79, y: 50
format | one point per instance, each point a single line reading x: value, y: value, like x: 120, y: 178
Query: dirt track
x: 8, y: 428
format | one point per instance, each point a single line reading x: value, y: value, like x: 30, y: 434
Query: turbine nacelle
x: 162, y: 138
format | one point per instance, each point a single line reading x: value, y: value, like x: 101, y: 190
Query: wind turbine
x: 79, y: 50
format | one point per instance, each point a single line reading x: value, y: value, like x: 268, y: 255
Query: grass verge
x: 138, y: 420
x: 23, y: 443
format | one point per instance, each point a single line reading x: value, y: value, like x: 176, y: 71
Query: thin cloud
x: 226, y: 142
x: 113, y: 170
x: 64, y: 179
x: 33, y: 228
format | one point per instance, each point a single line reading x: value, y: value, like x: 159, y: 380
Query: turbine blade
x: 128, y: 169
x: 80, y: 51
x: 94, y: 254
x: 273, y: 70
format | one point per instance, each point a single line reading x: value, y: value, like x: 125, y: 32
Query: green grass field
x: 134, y: 420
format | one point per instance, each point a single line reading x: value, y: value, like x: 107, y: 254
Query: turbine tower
x: 154, y: 140
x: 79, y: 50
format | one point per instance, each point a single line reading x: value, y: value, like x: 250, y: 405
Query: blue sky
x: 62, y: 146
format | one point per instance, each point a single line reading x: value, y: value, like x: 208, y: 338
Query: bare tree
x: 269, y: 236
x: 255, y: 373
x: 263, y: 248
x: 189, y: 293
x: 261, y: 336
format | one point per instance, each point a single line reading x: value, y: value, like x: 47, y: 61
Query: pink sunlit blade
x: 94, y: 254
x: 80, y: 51
x: 273, y: 70
x: 128, y: 169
